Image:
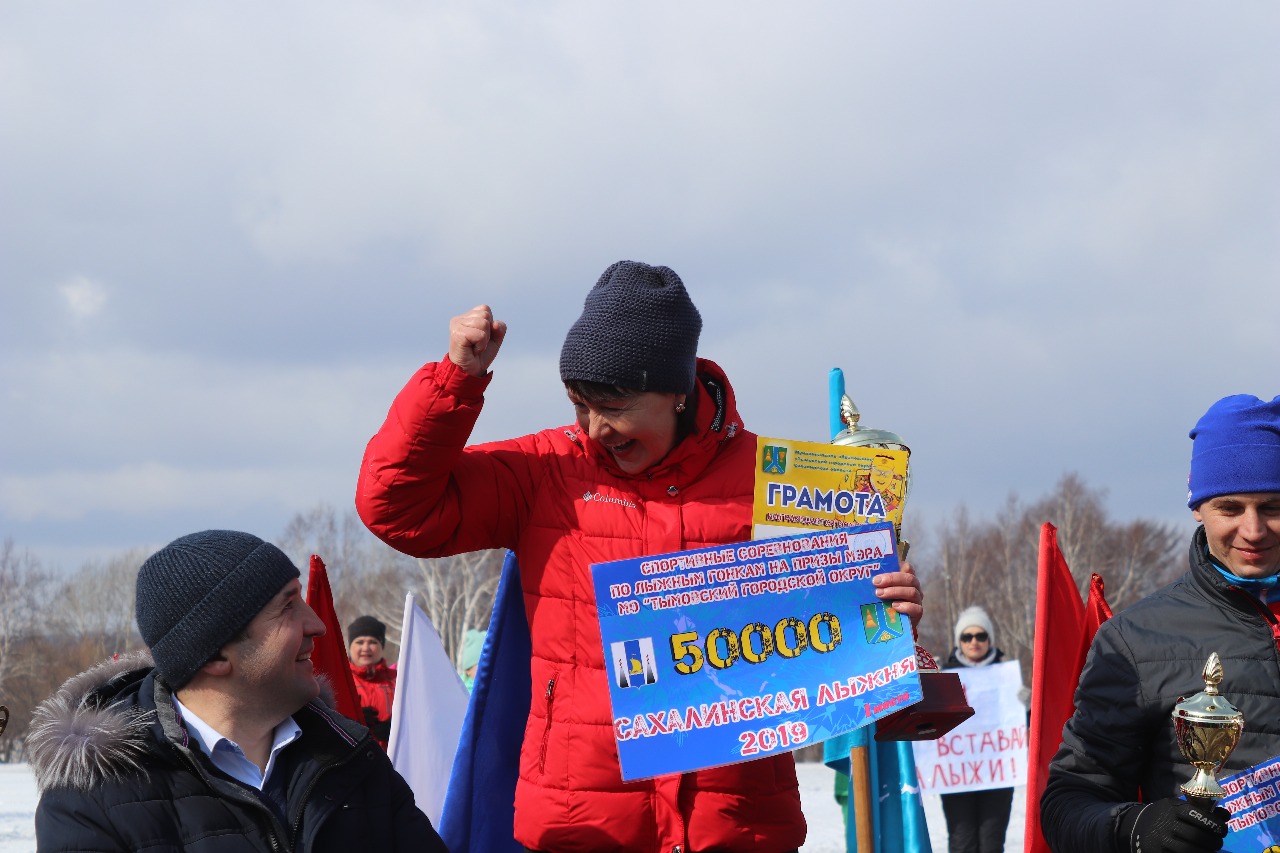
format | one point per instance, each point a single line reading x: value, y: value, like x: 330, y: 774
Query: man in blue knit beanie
x: 215, y: 740
x: 1115, y: 784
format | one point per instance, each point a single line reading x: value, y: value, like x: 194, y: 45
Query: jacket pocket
x: 550, y: 697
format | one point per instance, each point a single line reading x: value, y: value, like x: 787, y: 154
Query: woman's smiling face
x: 365, y: 651
x: 637, y: 430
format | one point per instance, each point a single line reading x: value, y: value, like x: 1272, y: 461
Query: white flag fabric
x: 427, y: 712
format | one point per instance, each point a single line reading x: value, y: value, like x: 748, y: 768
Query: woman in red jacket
x: 375, y: 681
x: 657, y: 461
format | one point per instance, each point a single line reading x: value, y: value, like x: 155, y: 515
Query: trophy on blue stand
x: 944, y: 705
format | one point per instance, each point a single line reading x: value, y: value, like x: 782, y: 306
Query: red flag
x: 1064, y: 631
x: 329, y: 657
x: 1096, y: 611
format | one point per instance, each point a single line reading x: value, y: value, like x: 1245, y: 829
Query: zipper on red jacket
x: 546, y: 730
x: 684, y: 824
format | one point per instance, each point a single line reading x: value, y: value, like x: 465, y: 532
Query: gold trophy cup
x: 1207, y: 728
x: 944, y: 705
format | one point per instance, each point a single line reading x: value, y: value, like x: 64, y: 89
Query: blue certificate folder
x: 1253, y: 798
x: 730, y: 653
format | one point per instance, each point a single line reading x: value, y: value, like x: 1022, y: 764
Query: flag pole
x: 861, y: 795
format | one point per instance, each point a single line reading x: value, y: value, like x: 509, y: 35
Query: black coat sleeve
x: 366, y: 805
x: 413, y: 830
x: 68, y: 820
x: 1095, y: 775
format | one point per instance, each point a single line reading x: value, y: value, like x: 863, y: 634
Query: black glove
x: 381, y: 728
x: 1176, y: 826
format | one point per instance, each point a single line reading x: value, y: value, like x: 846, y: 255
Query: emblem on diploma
x: 1207, y: 728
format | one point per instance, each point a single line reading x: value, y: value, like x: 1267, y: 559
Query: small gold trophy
x: 1207, y: 728
x: 854, y: 435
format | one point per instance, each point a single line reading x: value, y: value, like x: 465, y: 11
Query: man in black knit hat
x: 216, y: 740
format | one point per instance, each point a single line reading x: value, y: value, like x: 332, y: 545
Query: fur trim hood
x: 92, y: 729
x: 99, y: 725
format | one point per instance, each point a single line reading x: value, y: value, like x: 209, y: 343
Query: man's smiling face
x: 273, y: 658
x: 1243, y: 532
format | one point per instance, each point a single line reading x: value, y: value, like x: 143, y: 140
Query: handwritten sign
x: 729, y: 653
x: 988, y: 750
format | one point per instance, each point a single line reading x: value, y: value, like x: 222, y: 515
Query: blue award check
x: 1253, y: 798
x: 725, y: 654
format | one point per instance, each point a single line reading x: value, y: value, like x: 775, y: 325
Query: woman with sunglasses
x: 976, y: 820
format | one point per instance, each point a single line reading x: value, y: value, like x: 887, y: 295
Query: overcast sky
x: 1038, y: 238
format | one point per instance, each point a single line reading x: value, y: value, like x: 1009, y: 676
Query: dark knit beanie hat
x: 638, y: 330
x: 366, y: 626
x: 198, y: 593
x: 1236, y: 449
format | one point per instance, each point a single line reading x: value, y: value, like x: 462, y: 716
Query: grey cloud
x: 1036, y: 239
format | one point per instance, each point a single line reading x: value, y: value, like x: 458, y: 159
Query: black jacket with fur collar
x: 117, y: 773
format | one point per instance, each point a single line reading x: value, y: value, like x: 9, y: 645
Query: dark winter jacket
x: 1118, y: 748
x: 953, y: 662
x: 561, y: 503
x: 117, y: 772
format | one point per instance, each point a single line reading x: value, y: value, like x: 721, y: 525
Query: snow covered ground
x: 826, y: 831
x: 826, y: 828
x: 17, y: 809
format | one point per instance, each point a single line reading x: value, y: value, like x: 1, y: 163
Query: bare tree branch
x: 994, y: 563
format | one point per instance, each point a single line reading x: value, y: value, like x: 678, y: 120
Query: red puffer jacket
x: 557, y: 499
x: 377, y: 688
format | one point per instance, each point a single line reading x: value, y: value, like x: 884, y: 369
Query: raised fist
x: 474, y: 338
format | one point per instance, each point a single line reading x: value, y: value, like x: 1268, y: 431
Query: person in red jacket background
x: 656, y: 461
x: 375, y: 681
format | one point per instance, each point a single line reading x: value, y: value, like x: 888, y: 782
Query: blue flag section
x: 730, y: 653
x: 1253, y: 798
x: 479, y: 805
x: 898, y: 808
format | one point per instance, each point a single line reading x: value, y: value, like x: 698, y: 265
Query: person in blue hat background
x: 1114, y: 784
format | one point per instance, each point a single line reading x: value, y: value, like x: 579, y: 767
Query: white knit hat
x: 975, y: 615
